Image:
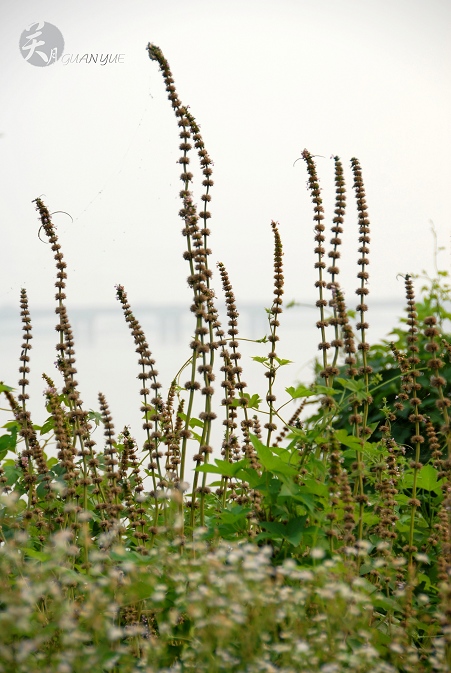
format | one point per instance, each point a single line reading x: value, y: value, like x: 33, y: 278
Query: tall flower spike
x: 187, y: 121
x: 113, y: 490
x: 334, y: 254
x: 335, y: 460
x: 412, y: 322
x: 273, y: 316
x: 388, y: 473
x: 205, y: 163
x: 437, y: 380
x: 232, y: 372
x: 66, y: 450
x: 363, y: 261
x: 413, y: 358
x: 24, y: 461
x: 133, y: 507
x: 337, y: 229
x: 347, y: 332
x: 410, y: 390
x: 189, y: 127
x: 174, y: 441
x: 65, y: 348
x: 232, y: 382
x: 171, y: 440
x: 318, y: 217
x: 153, y: 414
x: 26, y: 346
x: 32, y: 447
x: 197, y: 255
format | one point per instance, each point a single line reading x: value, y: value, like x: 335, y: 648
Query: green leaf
x: 48, y: 426
x: 274, y: 527
x: 314, y: 487
x: 251, y: 476
x: 370, y: 519
x: 316, y: 467
x: 11, y: 424
x: 308, y: 501
x: 425, y: 580
x: 253, y: 401
x: 235, y: 515
x: 141, y: 589
x: 295, y: 530
x: 351, y: 384
x: 427, y: 479
x: 193, y: 422
x: 269, y: 461
x: 5, y: 389
x: 12, y: 473
x: 149, y: 414
x: 283, y: 362
x: 38, y: 555
x: 381, y: 601
x: 8, y: 442
x: 358, y: 387
x: 95, y: 416
x: 300, y: 391
x: 349, y: 440
x: 292, y: 490
x: 325, y: 390
x: 366, y: 585
x: 223, y: 467
x: 260, y: 359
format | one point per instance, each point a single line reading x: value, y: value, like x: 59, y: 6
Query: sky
x: 264, y: 80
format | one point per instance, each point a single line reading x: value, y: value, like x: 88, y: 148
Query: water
x: 107, y: 362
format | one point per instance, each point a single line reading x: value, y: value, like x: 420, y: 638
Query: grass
x: 317, y: 540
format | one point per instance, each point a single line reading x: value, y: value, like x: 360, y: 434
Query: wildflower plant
x: 120, y: 557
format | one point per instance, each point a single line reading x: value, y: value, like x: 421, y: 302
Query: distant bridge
x: 159, y: 322
x: 173, y: 322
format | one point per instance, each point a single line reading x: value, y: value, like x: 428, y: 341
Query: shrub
x: 109, y: 563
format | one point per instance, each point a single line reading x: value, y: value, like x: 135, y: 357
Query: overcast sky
x: 364, y: 78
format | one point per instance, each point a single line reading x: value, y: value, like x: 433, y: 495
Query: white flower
x: 317, y: 553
